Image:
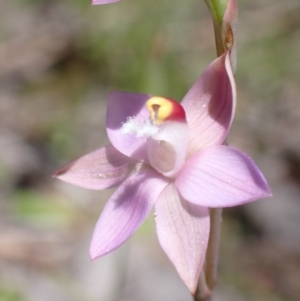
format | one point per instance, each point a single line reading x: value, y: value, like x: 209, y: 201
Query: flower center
x: 139, y: 128
x: 166, y: 131
x: 161, y: 109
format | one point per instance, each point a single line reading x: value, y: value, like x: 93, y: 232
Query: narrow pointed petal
x: 101, y: 169
x: 167, y: 149
x: 221, y: 176
x: 210, y: 104
x: 125, y: 211
x: 121, y: 106
x: 183, y: 231
x: 97, y: 2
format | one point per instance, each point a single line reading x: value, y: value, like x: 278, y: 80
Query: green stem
x: 208, y: 275
x: 203, y: 293
x: 217, y: 9
x: 212, y: 254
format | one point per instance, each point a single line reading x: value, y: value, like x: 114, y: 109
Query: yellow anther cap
x: 162, y: 109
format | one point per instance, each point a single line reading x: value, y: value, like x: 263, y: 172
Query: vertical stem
x: 218, y: 9
x: 203, y: 293
x: 212, y: 253
x: 208, y: 275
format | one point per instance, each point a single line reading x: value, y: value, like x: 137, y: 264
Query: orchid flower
x: 97, y: 2
x: 169, y: 156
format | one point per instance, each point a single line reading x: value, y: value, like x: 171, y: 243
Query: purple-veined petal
x: 100, y: 169
x: 221, y: 176
x: 167, y: 149
x: 183, y: 231
x: 121, y: 106
x: 210, y: 104
x: 97, y: 2
x: 125, y: 211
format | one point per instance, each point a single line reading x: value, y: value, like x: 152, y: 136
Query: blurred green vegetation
x: 138, y: 46
x: 50, y: 211
x: 9, y: 295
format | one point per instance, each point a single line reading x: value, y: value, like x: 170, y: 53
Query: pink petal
x: 121, y: 106
x: 125, y: 211
x: 167, y: 149
x: 183, y: 231
x: 221, y: 176
x: 101, y: 169
x: 210, y: 105
x: 97, y: 2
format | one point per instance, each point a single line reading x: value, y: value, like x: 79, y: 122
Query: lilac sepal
x: 221, y: 176
x: 121, y: 106
x: 100, y: 169
x: 125, y: 211
x: 210, y: 105
x: 183, y: 231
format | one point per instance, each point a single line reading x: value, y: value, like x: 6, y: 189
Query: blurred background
x: 59, y: 60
